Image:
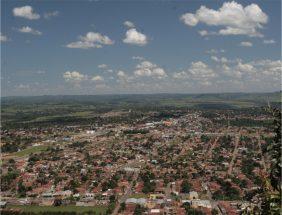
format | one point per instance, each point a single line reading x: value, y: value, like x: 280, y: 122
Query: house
x: 3, y: 204
x: 193, y: 195
x: 140, y: 201
x: 155, y: 211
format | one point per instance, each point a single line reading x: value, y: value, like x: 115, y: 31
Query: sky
x: 126, y: 47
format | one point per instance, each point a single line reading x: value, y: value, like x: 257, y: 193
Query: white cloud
x: 215, y: 51
x: 134, y: 37
x: 180, y: 75
x: 189, y: 19
x: 73, y: 76
x: 269, y: 41
x: 138, y: 58
x: 246, y: 67
x: 29, y: 30
x: 123, y: 78
x: 91, y: 40
x: 49, y: 15
x: 246, y: 44
x: 40, y: 72
x: 269, y: 67
x: 199, y: 70
x: 3, y: 38
x: 102, y: 66
x: 231, y: 72
x: 217, y: 59
x: 97, y: 78
x: 23, y: 86
x: 233, y: 17
x: 203, y: 33
x: 148, y: 69
x: 121, y: 74
x: 129, y: 24
x: 25, y: 12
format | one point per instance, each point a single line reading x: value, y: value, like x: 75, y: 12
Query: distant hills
x: 252, y: 99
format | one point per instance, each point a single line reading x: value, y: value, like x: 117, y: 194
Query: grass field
x: 20, y: 112
x: 33, y: 149
x: 69, y: 208
x: 138, y: 195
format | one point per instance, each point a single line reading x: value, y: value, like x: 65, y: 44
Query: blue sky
x: 101, y: 47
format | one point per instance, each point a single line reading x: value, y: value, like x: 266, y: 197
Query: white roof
x: 155, y: 210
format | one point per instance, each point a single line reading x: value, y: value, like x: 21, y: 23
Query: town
x: 176, y: 161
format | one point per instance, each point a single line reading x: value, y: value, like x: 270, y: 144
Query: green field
x: 69, y: 208
x: 33, y: 149
x: 22, y: 112
x: 138, y: 195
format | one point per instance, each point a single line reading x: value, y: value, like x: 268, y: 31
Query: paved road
x: 262, y: 156
x: 209, y: 153
x: 127, y: 193
x: 234, y: 154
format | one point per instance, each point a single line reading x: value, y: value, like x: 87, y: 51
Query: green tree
x: 272, y: 190
x: 185, y: 186
x: 21, y: 189
x: 138, y: 210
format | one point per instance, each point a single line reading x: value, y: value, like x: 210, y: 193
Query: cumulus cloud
x: 97, y: 78
x: 123, y: 78
x: 203, y: 33
x: 29, y: 30
x: 133, y: 37
x: 180, y: 75
x: 91, y: 40
x: 217, y: 59
x: 73, y: 76
x: 246, y: 44
x: 40, y: 72
x: 231, y: 72
x: 199, y: 70
x: 269, y: 41
x: 269, y: 67
x: 25, y: 12
x: 138, y: 58
x: 129, y: 24
x: 49, y: 15
x: 215, y: 51
x: 245, y: 67
x: 3, y: 38
x: 148, y: 69
x: 102, y: 66
x: 233, y: 17
x: 23, y: 86
x: 121, y: 74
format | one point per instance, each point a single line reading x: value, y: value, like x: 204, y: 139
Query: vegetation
x: 30, y: 150
x: 69, y: 209
x: 37, y: 111
x: 271, y: 203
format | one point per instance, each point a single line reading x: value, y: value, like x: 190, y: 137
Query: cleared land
x: 33, y: 149
x: 69, y: 208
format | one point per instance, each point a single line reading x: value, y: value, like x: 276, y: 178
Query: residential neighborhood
x: 174, y: 163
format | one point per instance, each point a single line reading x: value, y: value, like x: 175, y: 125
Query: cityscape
x: 140, y: 107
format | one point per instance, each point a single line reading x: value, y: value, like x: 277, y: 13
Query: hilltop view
x: 140, y: 107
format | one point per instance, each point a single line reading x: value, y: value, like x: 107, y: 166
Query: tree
x: 185, y: 186
x: 21, y: 189
x: 138, y: 210
x: 272, y: 189
x: 214, y: 211
x: 57, y: 202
